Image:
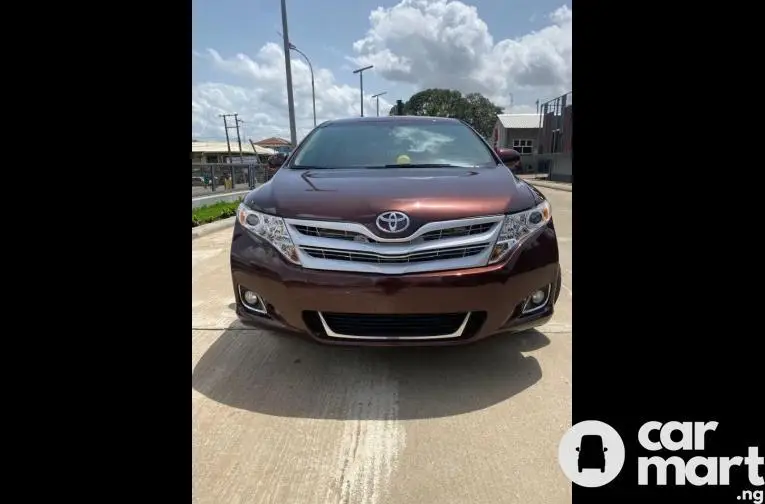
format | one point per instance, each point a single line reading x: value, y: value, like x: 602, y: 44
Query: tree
x: 474, y: 108
x: 481, y: 113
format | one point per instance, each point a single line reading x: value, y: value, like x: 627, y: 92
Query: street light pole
x: 288, y: 70
x: 377, y: 97
x: 360, y: 71
x: 313, y: 88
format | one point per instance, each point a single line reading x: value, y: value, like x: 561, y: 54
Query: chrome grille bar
x: 431, y: 255
x: 440, y: 234
x: 348, y: 246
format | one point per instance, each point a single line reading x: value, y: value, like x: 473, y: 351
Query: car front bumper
x: 325, y: 305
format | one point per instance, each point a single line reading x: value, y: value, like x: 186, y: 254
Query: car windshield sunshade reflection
x: 419, y: 144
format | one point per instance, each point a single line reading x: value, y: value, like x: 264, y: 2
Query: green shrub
x: 214, y: 212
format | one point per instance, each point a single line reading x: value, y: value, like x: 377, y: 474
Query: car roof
x: 391, y: 119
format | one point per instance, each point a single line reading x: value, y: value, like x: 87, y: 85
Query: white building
x: 518, y: 131
x: 217, y: 152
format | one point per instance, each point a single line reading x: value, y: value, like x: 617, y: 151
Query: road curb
x: 211, y: 199
x: 550, y: 185
x: 206, y: 229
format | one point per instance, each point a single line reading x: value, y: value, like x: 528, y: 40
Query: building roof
x: 222, y: 148
x: 273, y: 141
x: 520, y: 121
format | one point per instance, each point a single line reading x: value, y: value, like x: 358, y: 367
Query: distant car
x: 395, y: 231
x: 592, y: 453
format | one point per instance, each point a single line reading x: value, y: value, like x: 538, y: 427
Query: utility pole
x: 288, y: 70
x: 310, y: 67
x: 377, y: 97
x: 360, y: 71
x: 239, y: 138
x: 226, y: 128
x: 244, y: 130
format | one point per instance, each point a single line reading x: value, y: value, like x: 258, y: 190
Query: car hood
x: 360, y: 195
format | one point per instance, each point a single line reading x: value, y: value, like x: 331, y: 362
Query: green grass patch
x: 216, y: 211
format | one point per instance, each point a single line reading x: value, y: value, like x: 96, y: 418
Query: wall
x: 198, y: 157
x: 521, y: 134
x: 558, y: 166
x: 561, y: 169
x: 556, y: 145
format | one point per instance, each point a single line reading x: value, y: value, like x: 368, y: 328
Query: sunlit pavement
x: 280, y: 420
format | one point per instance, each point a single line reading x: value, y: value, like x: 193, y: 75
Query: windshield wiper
x: 423, y: 165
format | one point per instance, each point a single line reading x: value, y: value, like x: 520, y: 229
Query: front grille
x: 441, y: 234
x: 457, y: 232
x: 394, y: 326
x: 368, y: 257
x: 436, y: 246
x: 337, y: 234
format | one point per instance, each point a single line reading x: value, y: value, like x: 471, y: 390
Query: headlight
x: 270, y: 228
x: 517, y: 227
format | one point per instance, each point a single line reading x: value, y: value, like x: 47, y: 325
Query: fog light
x: 537, y: 301
x: 251, y: 298
x: 252, y: 302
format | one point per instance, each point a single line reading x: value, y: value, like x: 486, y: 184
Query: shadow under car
x: 288, y: 376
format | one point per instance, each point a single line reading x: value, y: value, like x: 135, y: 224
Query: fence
x: 555, y: 145
x: 208, y: 178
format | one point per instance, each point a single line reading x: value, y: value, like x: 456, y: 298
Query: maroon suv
x: 395, y: 230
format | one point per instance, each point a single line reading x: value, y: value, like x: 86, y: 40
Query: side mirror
x: 508, y: 155
x: 605, y: 449
x: 577, y: 448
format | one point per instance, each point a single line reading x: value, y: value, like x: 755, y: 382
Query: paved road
x: 280, y: 420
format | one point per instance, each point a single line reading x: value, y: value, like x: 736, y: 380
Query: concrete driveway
x: 280, y: 420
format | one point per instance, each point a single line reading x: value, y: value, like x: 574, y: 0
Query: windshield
x: 394, y: 145
x: 592, y: 443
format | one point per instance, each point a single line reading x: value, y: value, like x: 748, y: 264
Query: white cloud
x: 261, y: 98
x: 444, y: 43
x: 423, y: 43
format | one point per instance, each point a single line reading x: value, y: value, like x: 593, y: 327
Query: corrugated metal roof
x: 519, y: 121
x: 222, y: 148
x: 273, y: 141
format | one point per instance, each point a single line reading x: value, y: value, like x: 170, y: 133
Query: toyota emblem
x: 392, y: 222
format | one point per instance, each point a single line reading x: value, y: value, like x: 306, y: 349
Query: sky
x: 514, y: 52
